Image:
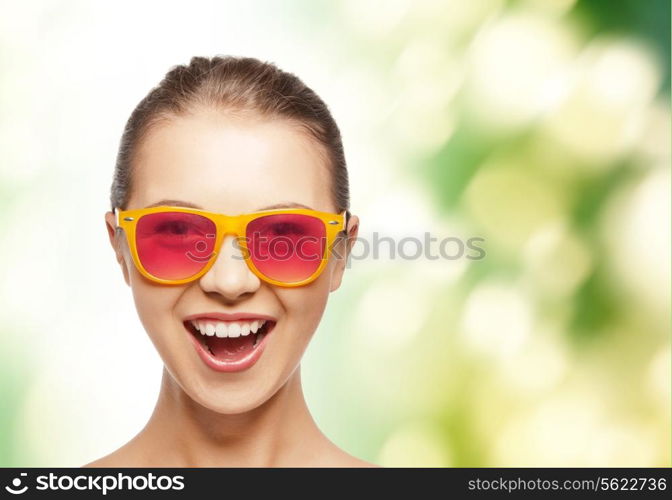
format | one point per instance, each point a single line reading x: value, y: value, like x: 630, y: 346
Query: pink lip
x: 229, y: 316
x: 229, y: 366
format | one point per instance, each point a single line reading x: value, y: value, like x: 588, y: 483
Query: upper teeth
x: 227, y: 328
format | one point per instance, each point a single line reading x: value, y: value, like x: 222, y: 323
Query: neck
x: 187, y: 434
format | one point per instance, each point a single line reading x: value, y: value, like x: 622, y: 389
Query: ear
x: 342, y: 251
x: 115, y: 240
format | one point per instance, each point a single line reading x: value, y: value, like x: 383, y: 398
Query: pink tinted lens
x: 286, y: 247
x: 174, y: 245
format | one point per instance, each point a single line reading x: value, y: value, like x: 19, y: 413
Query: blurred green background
x: 541, y: 126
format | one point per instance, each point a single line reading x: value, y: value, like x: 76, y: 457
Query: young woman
x: 230, y: 224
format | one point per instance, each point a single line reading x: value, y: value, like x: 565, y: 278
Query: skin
x: 257, y: 417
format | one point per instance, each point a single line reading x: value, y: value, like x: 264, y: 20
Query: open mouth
x: 229, y: 345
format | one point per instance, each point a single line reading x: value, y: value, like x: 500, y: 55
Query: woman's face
x: 230, y: 166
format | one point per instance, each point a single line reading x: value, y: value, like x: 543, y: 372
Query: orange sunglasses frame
x: 230, y: 224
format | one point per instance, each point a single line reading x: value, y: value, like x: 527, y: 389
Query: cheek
x: 150, y: 299
x: 155, y: 304
x: 304, y: 306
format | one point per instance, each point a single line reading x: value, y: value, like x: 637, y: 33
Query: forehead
x: 230, y: 164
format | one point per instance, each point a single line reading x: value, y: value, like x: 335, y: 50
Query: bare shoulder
x: 337, y: 457
x: 358, y: 462
x: 123, y: 457
x: 105, y: 461
x: 113, y: 460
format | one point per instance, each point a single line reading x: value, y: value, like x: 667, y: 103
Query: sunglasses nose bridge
x: 230, y: 224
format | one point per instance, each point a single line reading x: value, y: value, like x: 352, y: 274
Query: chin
x: 232, y: 392
x: 227, y: 403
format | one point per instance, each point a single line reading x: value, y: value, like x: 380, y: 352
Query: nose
x: 230, y: 276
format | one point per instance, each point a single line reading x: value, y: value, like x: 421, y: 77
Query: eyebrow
x: 180, y: 203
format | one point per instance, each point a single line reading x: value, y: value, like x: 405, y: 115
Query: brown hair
x: 235, y: 84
